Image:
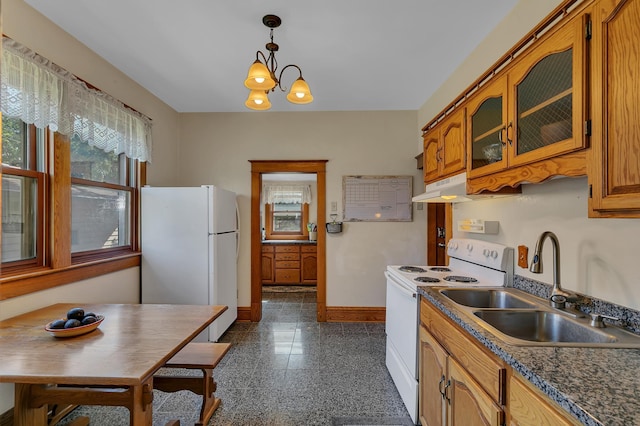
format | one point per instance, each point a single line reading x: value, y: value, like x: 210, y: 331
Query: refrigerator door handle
x: 237, y: 231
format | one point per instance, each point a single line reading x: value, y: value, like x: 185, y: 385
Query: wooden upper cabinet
x: 534, y: 111
x: 614, y: 160
x: 547, y: 97
x: 487, y: 129
x: 444, y: 147
x: 430, y: 158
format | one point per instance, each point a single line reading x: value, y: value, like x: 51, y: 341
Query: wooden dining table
x: 112, y: 365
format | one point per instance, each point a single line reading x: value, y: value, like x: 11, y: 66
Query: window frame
x: 303, y: 234
x: 58, y: 266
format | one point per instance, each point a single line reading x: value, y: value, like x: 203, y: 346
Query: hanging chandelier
x: 262, y: 76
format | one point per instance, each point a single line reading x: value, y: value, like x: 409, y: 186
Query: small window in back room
x: 286, y: 211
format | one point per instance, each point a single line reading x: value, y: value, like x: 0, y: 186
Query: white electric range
x: 471, y: 263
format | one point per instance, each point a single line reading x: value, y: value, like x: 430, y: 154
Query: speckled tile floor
x: 286, y: 370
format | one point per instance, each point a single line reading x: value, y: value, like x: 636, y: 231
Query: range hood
x: 453, y: 190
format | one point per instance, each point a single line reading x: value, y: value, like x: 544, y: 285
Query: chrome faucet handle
x: 597, y: 320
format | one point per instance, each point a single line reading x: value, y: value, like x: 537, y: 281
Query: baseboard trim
x: 334, y: 314
x: 244, y: 313
x: 355, y: 314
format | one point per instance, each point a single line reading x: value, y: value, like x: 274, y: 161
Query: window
x: 102, y: 188
x: 70, y: 196
x: 23, y: 189
x: 100, y: 215
x: 286, y: 211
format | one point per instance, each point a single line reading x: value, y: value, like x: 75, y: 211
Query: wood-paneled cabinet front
x: 614, y: 160
x: 534, y: 111
x: 268, y: 265
x: 528, y: 407
x: 309, y: 265
x: 460, y: 384
x: 289, y: 264
x: 445, y: 148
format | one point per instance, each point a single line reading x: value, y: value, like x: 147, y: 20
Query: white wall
x: 598, y: 256
x: 216, y: 148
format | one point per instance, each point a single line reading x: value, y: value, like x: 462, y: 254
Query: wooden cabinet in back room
x: 289, y: 264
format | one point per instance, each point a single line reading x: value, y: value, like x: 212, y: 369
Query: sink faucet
x: 559, y: 297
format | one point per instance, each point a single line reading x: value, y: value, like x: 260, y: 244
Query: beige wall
x: 216, y: 149
x: 598, y: 256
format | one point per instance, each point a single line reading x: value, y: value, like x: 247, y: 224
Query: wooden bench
x: 196, y: 355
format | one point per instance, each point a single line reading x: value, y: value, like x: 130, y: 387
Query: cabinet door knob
x: 510, y: 140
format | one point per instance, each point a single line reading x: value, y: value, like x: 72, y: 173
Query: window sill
x: 37, y: 280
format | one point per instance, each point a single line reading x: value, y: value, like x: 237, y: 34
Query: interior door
x: 438, y: 232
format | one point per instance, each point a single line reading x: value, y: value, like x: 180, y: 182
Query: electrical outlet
x: 334, y: 206
x: 523, y: 253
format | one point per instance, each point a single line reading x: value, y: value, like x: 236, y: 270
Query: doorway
x: 258, y: 169
x: 439, y: 231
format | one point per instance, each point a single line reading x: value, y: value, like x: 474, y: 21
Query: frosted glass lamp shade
x: 300, y: 92
x: 259, y: 77
x: 258, y: 100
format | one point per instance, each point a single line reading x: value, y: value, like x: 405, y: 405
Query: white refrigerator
x: 190, y: 250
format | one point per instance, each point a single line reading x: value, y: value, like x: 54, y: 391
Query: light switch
x: 334, y: 206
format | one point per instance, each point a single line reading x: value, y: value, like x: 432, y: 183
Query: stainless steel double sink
x: 522, y: 319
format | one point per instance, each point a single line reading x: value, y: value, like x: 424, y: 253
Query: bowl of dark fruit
x: 76, y: 323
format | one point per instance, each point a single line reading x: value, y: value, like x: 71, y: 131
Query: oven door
x: 402, y: 321
x: 402, y: 341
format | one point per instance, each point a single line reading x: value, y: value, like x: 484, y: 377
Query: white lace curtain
x: 288, y: 194
x: 41, y: 93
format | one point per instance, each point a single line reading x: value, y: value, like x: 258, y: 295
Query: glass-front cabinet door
x: 487, y: 131
x: 546, y: 98
x: 536, y: 111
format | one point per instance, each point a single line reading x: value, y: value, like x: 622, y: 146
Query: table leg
x: 141, y: 410
x: 23, y: 414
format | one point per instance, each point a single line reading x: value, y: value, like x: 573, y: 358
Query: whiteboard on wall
x: 377, y: 198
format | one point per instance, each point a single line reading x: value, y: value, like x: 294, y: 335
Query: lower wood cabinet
x: 268, y: 265
x: 460, y: 384
x: 463, y: 383
x: 528, y: 406
x: 309, y: 264
x: 289, y: 264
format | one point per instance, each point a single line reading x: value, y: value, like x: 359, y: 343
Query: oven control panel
x: 492, y: 255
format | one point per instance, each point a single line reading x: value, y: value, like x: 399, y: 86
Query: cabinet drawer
x: 484, y: 367
x: 308, y: 249
x: 288, y: 264
x: 267, y: 249
x: 287, y: 275
x: 287, y: 249
x: 287, y: 256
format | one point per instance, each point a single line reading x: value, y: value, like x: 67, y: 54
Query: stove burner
x: 414, y: 269
x: 460, y: 279
x: 427, y: 279
x: 440, y: 269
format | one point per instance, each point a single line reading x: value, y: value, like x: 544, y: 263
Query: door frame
x: 258, y: 168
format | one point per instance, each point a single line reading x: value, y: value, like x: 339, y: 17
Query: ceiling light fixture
x: 262, y: 76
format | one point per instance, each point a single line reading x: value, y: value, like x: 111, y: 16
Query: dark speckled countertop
x: 597, y: 386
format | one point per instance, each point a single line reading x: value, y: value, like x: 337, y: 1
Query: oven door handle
x: 399, y: 285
